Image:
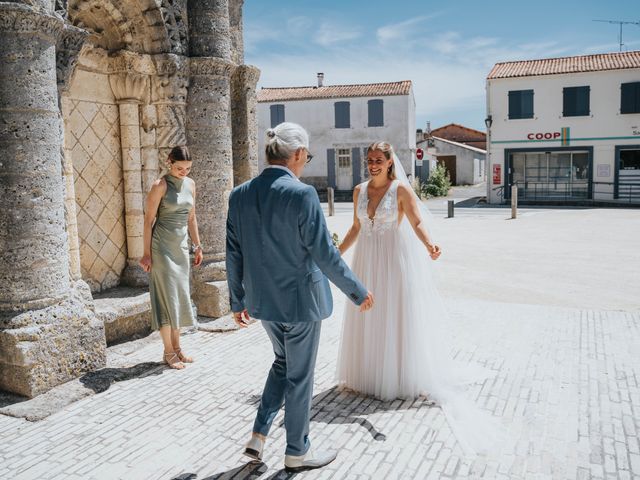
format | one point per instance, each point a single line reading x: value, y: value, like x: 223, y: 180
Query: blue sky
x: 445, y: 48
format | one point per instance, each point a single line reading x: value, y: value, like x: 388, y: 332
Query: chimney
x: 419, y: 135
x: 320, y: 79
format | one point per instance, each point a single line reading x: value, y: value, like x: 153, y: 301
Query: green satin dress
x: 169, y: 279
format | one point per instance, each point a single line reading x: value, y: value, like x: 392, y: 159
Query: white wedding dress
x: 399, y: 348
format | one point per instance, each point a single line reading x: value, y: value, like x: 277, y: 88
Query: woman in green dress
x: 170, y: 215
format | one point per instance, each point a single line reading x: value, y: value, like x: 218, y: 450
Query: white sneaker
x: 308, y: 461
x: 254, y: 447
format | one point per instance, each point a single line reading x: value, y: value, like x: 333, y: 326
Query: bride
x: 399, y: 348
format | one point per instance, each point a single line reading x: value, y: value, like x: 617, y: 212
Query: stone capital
x: 129, y: 87
x: 169, y: 88
x: 248, y: 75
x: 211, y: 66
x: 68, y: 48
x: 19, y: 18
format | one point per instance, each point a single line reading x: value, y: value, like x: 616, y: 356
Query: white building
x: 464, y: 163
x: 342, y: 121
x: 565, y: 129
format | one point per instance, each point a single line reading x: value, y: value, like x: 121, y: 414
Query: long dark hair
x: 179, y: 153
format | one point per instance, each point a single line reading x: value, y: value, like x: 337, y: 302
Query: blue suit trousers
x: 290, y: 381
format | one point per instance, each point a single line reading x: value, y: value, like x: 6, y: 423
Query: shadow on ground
x: 100, y: 380
x: 7, y: 399
x: 340, y: 406
x: 248, y: 471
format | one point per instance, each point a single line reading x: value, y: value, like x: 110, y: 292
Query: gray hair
x: 283, y: 140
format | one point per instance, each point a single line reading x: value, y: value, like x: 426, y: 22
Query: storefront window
x: 551, y: 175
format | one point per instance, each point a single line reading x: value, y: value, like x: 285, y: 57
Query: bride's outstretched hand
x: 368, y: 303
x: 434, y: 252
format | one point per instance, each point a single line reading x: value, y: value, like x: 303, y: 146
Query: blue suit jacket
x: 279, y: 251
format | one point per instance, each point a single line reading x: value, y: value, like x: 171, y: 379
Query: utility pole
x: 620, y: 23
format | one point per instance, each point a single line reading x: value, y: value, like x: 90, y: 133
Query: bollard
x: 514, y: 201
x: 450, y: 209
x: 330, y: 199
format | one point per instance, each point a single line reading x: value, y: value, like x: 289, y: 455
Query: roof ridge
x: 339, y: 85
x: 568, y: 57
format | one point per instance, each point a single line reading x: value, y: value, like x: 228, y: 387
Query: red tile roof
x: 552, y: 66
x: 334, y: 91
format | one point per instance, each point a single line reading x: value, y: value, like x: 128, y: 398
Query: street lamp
x: 488, y: 121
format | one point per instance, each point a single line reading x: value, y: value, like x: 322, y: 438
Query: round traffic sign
x: 419, y: 153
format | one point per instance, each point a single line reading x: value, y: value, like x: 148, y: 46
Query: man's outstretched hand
x: 242, y: 319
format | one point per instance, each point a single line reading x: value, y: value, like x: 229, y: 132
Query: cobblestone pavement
x: 566, y: 390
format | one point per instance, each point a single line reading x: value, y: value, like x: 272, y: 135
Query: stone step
x: 210, y: 272
x: 125, y: 312
x: 212, y: 298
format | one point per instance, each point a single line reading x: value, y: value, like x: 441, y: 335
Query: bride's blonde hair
x: 387, y: 150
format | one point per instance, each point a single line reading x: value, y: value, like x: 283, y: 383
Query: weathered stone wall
x: 92, y: 137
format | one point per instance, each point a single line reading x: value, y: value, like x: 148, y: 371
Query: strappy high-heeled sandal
x: 173, y: 361
x: 183, y: 358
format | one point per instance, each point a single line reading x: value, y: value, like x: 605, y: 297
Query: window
x: 277, y: 115
x: 630, y: 97
x: 344, y: 158
x: 575, y: 101
x: 520, y: 104
x: 376, y: 113
x: 343, y: 114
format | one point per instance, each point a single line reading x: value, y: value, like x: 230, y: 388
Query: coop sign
x: 544, y: 136
x: 564, y: 135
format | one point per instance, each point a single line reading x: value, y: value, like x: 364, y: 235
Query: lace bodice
x: 386, y: 215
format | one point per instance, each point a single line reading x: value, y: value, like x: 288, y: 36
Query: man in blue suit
x: 278, y: 253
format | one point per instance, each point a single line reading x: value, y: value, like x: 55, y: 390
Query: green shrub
x: 439, y: 182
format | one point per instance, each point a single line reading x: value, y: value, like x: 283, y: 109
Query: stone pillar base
x: 209, y: 289
x: 134, y: 276
x: 40, y: 349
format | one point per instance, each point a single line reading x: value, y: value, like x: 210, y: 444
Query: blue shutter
x: 527, y: 104
x: 630, y: 97
x: 331, y: 167
x: 376, y: 113
x: 520, y: 104
x: 277, y: 114
x: 514, y: 104
x: 575, y: 101
x: 342, y: 114
x: 356, y: 165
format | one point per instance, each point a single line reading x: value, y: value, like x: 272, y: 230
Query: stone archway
x: 108, y: 123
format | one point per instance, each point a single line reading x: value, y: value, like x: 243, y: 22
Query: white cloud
x: 401, y: 30
x: 331, y: 33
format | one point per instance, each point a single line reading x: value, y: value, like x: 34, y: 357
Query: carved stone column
x: 130, y: 90
x: 48, y: 333
x: 68, y: 48
x: 169, y: 99
x: 245, y: 123
x: 235, y: 27
x: 209, y: 139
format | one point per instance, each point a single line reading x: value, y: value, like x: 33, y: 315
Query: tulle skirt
x: 401, y: 347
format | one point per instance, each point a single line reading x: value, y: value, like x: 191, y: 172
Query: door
x: 344, y: 170
x: 628, y: 174
x: 449, y: 162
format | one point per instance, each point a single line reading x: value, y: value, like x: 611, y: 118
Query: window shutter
x: 376, y: 113
x: 568, y: 101
x: 630, y: 97
x: 356, y: 165
x: 514, y: 104
x: 331, y: 167
x: 277, y: 114
x: 342, y: 114
x: 527, y: 104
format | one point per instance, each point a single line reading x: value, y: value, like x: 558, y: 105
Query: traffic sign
x: 419, y: 153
